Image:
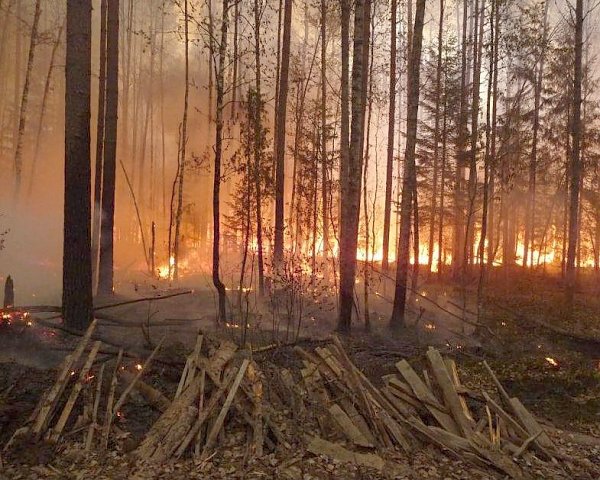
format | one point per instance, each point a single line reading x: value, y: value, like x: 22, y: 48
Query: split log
x: 318, y: 446
x: 108, y: 416
x: 154, y: 397
x: 452, y: 400
x: 45, y: 409
x: 127, y: 391
x: 216, y: 428
x: 425, y: 395
x: 64, y: 416
x: 350, y: 430
x: 94, y: 425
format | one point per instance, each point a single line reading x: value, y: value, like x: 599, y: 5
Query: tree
x: 575, y: 166
x: 25, y: 98
x: 351, y: 168
x: 280, y: 133
x: 389, y: 172
x: 408, y: 183
x: 97, y: 205
x: 220, y: 86
x: 77, y: 262
x: 106, y: 263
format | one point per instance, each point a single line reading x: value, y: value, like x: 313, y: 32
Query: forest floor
x: 556, y: 377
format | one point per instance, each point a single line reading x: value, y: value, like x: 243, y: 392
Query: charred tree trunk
x: 99, y: 167
x: 182, y: 148
x: 106, y: 263
x: 77, y: 261
x: 409, y: 189
x: 25, y: 98
x: 220, y: 87
x: 351, y: 171
x: 575, y: 160
x: 389, y: 171
x: 280, y: 134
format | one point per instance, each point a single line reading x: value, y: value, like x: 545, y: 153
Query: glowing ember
x: 138, y: 366
x: 429, y: 326
x: 552, y: 362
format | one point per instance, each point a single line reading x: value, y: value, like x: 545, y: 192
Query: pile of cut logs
x: 358, y: 421
x: 409, y: 409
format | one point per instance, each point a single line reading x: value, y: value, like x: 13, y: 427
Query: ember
x: 552, y: 362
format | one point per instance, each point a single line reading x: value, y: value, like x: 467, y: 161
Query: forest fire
x: 10, y: 317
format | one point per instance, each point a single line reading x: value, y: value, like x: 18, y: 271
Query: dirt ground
x: 557, y: 378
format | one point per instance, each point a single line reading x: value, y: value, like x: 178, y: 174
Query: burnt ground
x: 565, y: 395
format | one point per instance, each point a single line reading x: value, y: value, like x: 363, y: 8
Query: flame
x: 552, y: 362
x: 138, y: 366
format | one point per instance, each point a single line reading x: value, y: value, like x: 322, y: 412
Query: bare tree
x: 409, y: 188
x: 33, y: 39
x: 220, y: 87
x: 575, y: 166
x: 389, y: 172
x: 77, y: 262
x: 280, y: 134
x: 106, y: 263
x: 351, y: 171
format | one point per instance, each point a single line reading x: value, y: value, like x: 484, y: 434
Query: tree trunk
x: 77, y: 262
x: 280, y: 135
x: 575, y: 160
x: 258, y: 151
x: 40, y: 126
x: 409, y: 189
x: 324, y: 160
x: 97, y: 204
x: 25, y: 99
x: 351, y: 188
x: 528, y: 239
x: 217, y: 173
x: 389, y: 171
x: 182, y: 148
x: 106, y: 263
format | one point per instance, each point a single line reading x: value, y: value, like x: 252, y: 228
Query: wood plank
x: 531, y: 424
x: 49, y: 401
x: 66, y: 412
x: 348, y: 428
x: 425, y: 395
x: 108, y: 416
x: 318, y: 446
x: 452, y: 400
x: 453, y: 372
x: 216, y: 428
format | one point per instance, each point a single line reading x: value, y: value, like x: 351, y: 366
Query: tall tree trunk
x: 461, y: 142
x: 280, y: 135
x: 351, y: 176
x: 40, y: 126
x: 182, y: 148
x: 99, y: 167
x: 220, y: 87
x: 436, y: 136
x: 258, y: 151
x: 77, y: 262
x: 389, y: 171
x: 538, y: 70
x: 33, y: 39
x: 575, y: 160
x: 106, y: 263
x: 344, y: 99
x: 409, y: 189
x: 324, y: 160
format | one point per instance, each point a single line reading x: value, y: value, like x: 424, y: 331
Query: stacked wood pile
x: 329, y: 406
x: 80, y: 381
x: 410, y: 409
